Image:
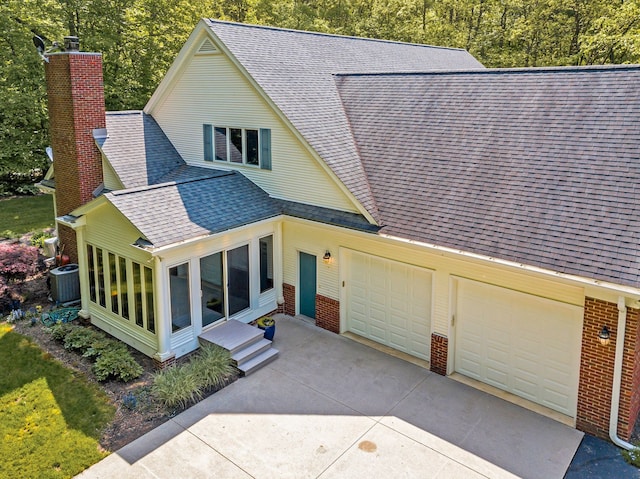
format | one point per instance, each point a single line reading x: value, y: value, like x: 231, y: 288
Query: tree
x: 23, y: 122
x: 140, y: 38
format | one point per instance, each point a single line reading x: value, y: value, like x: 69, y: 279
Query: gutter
x: 617, y: 377
x: 444, y: 250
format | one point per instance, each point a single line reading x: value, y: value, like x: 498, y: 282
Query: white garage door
x: 389, y: 302
x: 523, y: 344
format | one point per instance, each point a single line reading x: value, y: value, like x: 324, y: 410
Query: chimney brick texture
x: 75, y: 94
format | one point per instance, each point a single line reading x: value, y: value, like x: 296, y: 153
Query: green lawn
x: 25, y: 214
x: 50, y: 417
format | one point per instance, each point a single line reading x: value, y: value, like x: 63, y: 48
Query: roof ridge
x: 332, y: 35
x: 496, y: 71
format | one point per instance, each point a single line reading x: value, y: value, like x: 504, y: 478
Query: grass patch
x: 632, y: 456
x: 50, y: 418
x: 25, y: 214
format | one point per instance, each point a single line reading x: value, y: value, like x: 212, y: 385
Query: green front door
x: 307, y: 285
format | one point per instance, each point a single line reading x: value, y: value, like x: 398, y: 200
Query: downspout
x: 617, y: 377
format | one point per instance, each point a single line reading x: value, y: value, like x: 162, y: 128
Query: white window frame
x: 244, y: 145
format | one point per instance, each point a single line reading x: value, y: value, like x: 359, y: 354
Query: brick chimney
x: 75, y: 94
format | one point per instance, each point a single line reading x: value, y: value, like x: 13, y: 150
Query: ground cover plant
x: 111, y: 357
x: 25, y: 214
x: 51, y: 418
x: 208, y: 370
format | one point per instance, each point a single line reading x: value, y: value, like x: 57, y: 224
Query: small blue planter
x: 268, y: 325
x: 269, y: 332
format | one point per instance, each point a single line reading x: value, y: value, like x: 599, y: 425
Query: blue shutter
x: 207, y: 136
x: 265, y: 148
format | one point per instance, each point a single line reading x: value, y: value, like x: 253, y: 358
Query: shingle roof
x: 137, y: 149
x: 210, y: 202
x: 537, y: 166
x: 294, y: 68
x: 201, y: 201
x: 327, y: 216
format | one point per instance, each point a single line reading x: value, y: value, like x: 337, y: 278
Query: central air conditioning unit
x: 65, y: 283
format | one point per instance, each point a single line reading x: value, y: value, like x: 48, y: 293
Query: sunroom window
x: 124, y: 281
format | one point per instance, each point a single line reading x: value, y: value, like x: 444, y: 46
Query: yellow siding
x: 111, y: 180
x: 299, y: 236
x: 211, y: 90
x: 109, y: 229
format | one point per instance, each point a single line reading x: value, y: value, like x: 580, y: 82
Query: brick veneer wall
x: 67, y: 237
x: 629, y: 394
x: 328, y: 313
x: 289, y: 293
x: 439, y: 350
x: 167, y: 363
x: 634, y: 409
x: 75, y: 96
x: 596, y: 371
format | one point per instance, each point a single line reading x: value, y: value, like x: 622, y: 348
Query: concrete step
x: 251, y: 351
x: 258, y: 361
x: 233, y: 335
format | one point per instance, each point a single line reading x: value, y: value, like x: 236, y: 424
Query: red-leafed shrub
x: 17, y: 261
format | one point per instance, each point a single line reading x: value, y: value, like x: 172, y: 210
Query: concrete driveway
x: 331, y: 407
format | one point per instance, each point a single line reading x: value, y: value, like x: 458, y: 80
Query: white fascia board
x: 173, y: 76
x: 72, y: 222
x: 205, y: 237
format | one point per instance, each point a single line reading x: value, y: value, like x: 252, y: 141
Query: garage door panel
x: 396, y: 301
x: 497, y: 377
x: 508, y: 334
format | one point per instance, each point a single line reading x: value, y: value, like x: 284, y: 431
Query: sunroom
x: 161, y: 264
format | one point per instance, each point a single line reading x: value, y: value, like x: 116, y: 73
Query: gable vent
x: 207, y: 48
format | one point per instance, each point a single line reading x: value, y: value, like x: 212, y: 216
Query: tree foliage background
x: 140, y: 39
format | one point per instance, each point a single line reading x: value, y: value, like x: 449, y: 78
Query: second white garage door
x: 388, y: 302
x: 520, y: 343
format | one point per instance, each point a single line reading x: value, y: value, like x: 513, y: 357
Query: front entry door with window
x: 307, y: 285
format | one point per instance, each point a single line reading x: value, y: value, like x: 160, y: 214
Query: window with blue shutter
x: 207, y: 136
x: 265, y: 148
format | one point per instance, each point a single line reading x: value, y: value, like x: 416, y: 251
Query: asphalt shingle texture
x: 294, y: 68
x: 137, y: 149
x: 196, y: 205
x: 536, y: 166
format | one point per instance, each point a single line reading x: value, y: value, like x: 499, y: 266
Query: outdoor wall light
x: 327, y: 257
x: 604, y: 336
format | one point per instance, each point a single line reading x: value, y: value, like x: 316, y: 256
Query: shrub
x: 17, y: 261
x: 60, y: 330
x: 113, y: 363
x: 81, y: 339
x: 130, y: 401
x: 179, y: 386
x: 103, y: 344
x: 37, y: 240
x: 112, y: 358
x: 213, y: 366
